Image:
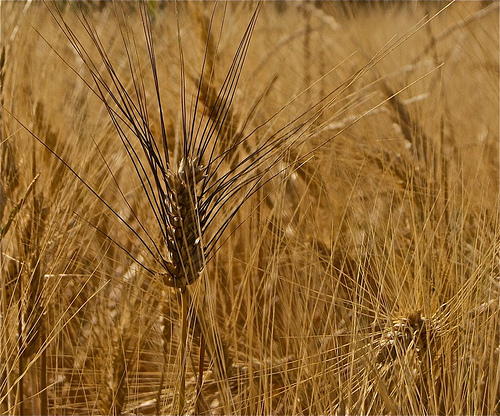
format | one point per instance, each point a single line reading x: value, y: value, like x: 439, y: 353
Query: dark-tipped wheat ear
x: 186, y: 197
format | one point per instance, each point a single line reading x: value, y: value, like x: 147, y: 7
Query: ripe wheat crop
x: 249, y: 208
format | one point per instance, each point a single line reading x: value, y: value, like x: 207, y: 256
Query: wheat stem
x: 20, y: 385
x: 44, y: 406
x: 182, y: 382
x: 200, y: 373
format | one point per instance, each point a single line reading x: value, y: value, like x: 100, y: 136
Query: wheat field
x: 350, y: 267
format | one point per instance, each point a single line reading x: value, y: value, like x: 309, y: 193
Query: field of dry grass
x: 362, y: 278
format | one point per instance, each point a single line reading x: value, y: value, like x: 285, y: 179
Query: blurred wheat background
x: 362, y: 279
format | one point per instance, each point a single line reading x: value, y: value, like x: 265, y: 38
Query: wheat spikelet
x: 185, y: 257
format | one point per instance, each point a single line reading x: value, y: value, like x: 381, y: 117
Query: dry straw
x: 297, y: 313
